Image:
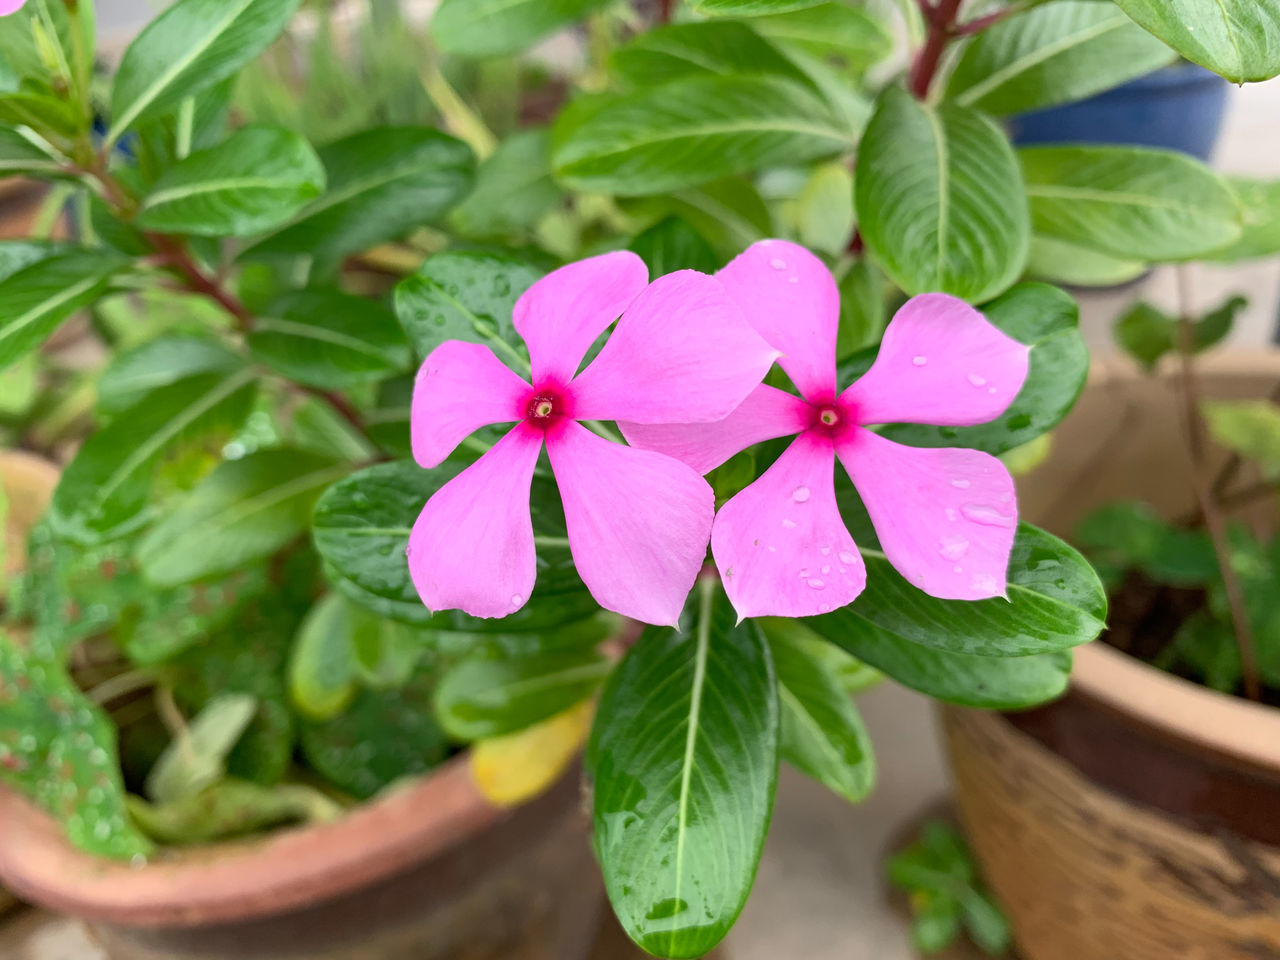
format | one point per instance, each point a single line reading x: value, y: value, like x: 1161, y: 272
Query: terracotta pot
x: 1138, y: 818
x: 430, y: 871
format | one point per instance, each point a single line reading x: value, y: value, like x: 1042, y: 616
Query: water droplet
x: 804, y: 571
x: 778, y: 263
x: 817, y: 584
x: 825, y: 551
x: 958, y: 569
x: 961, y: 484
x: 800, y: 494
x: 102, y: 830
x: 953, y: 548
x: 773, y: 549
x: 920, y: 361
x: 793, y: 279
x: 987, y: 516
x: 789, y: 524
x: 1006, y: 498
x: 952, y: 514
x: 993, y: 390
x: 977, y: 381
x: 826, y: 568
x: 847, y: 557
x: 984, y: 582
x: 516, y: 599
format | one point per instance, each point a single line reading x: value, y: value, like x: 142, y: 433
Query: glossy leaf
x: 190, y: 46
x: 849, y: 32
x: 1239, y: 39
x: 513, y: 188
x: 482, y: 698
x: 673, y: 244
x: 1131, y: 202
x: 486, y: 28
x: 1053, y: 53
x: 683, y: 760
x: 381, y: 183
x: 133, y: 374
x: 1047, y: 320
x: 864, y: 311
x: 329, y: 339
x: 516, y: 768
x: 466, y: 295
x: 196, y: 757
x: 939, y: 199
x: 252, y: 181
x: 1059, y: 261
x: 244, y: 510
x: 724, y: 47
x: 37, y: 298
x: 693, y: 130
x: 105, y: 491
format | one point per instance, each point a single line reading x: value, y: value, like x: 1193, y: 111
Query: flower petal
x: 766, y: 414
x: 461, y: 387
x: 561, y: 315
x: 941, y: 362
x: 780, y: 544
x: 791, y: 299
x: 945, y: 517
x: 471, y: 548
x: 638, y: 522
x: 682, y: 353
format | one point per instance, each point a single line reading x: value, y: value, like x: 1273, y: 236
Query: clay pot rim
x: 251, y: 878
x: 1215, y: 721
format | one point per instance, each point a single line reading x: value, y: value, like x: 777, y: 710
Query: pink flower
x: 945, y: 518
x: 638, y: 521
x: 10, y: 6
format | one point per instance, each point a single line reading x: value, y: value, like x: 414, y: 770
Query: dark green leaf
x: 939, y: 199
x: 673, y: 244
x: 37, y: 298
x: 863, y: 310
x: 1127, y: 535
x: 157, y: 363
x: 729, y: 213
x: 1147, y: 333
x: 513, y: 188
x: 1130, y: 202
x: 1053, y: 53
x: 16, y: 254
x: 254, y: 180
x: 749, y: 8
x: 683, y: 760
x: 190, y: 46
x: 849, y: 32
x: 709, y: 47
x: 20, y: 154
x: 486, y: 28
x: 1239, y: 39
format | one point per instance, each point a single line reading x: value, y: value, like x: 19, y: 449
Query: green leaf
x: 231, y: 808
x: 190, y: 46
x: 849, y: 32
x: 935, y: 925
x: 256, y: 179
x: 322, y: 674
x: 1125, y: 535
x: 20, y: 154
x: 724, y: 47
x: 381, y: 183
x: 985, y: 923
x: 825, y: 209
x: 513, y: 189
x: 693, y: 130
x: 1059, y: 261
x: 466, y: 295
x: 673, y: 244
x: 157, y: 363
x: 37, y: 298
x: 863, y: 310
x: 246, y: 509
x: 1053, y: 53
x: 1147, y: 333
x: 939, y: 199
x: 1130, y: 202
x: 59, y: 750
x: 16, y: 254
x: 1055, y: 602
x: 1250, y: 428
x: 482, y: 699
x: 105, y: 491
x: 1260, y: 203
x: 486, y: 28
x: 729, y: 213
x: 683, y: 760
x: 749, y: 8
x: 1238, y: 39
x: 197, y: 756
x: 330, y: 339
x: 822, y: 732
x: 1047, y: 320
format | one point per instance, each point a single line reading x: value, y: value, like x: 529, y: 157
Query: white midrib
x: 691, y: 738
x: 312, y: 332
x: 174, y: 194
x: 1066, y: 191
x: 944, y: 191
x: 47, y: 306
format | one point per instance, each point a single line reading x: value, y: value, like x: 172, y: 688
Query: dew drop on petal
x: 987, y: 516
x: 1006, y: 498
x: 920, y: 361
x: 516, y: 599
x: 952, y: 514
x: 804, y: 571
x: 961, y: 484
x: 793, y: 279
x: 789, y: 524
x: 953, y: 548
x: 958, y: 569
x: 977, y: 381
x: 984, y: 582
x: 773, y: 549
x: 993, y: 390
x: 817, y: 584
x: 778, y: 263
x: 826, y: 551
x: 847, y: 557
x: 800, y: 494
x: 826, y: 568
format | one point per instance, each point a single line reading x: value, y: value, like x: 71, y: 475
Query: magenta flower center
x: 828, y: 419
x: 546, y: 405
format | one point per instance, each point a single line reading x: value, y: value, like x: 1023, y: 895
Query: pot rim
x: 1194, y: 713
x: 249, y: 878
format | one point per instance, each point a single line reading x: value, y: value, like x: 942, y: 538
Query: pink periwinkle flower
x: 10, y: 6
x: 638, y: 521
x: 945, y: 518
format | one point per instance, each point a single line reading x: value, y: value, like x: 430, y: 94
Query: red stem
x: 942, y: 24
x: 665, y: 9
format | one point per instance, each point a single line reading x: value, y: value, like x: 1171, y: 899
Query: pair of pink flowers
x: 681, y: 374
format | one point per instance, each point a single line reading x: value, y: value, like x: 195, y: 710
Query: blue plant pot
x: 1179, y: 107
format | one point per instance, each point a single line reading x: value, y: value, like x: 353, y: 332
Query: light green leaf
x: 749, y: 8
x: 849, y: 32
x: 133, y: 374
x: 197, y: 756
x: 724, y: 47
x: 1130, y: 202
x: 1239, y: 39
x: 34, y: 300
x: 1147, y: 333
x: 16, y: 254
x: 683, y: 759
x: 1250, y: 428
x: 513, y: 189
x: 1260, y: 203
x: 190, y: 46
x: 825, y: 209
x: 1059, y: 261
x: 729, y: 213
x: 693, y: 130
x: 1053, y: 53
x: 939, y: 199
x: 231, y: 808
x: 254, y: 180
x: 322, y: 674
x: 486, y: 28
x: 245, y: 509
x: 21, y: 154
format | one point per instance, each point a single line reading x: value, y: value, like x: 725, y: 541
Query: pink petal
x: 471, y: 548
x: 791, y: 299
x: 941, y: 362
x: 682, y: 353
x: 780, y: 544
x: 461, y: 387
x: 766, y: 414
x: 638, y: 522
x: 561, y: 315
x: 945, y: 517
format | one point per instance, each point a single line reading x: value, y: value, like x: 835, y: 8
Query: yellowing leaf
x: 512, y: 769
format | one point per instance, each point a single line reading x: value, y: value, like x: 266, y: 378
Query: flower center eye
x: 828, y: 416
x: 541, y: 407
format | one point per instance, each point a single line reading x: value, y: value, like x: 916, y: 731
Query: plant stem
x: 1213, y: 517
x: 665, y: 9
x: 979, y: 24
x: 942, y: 27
